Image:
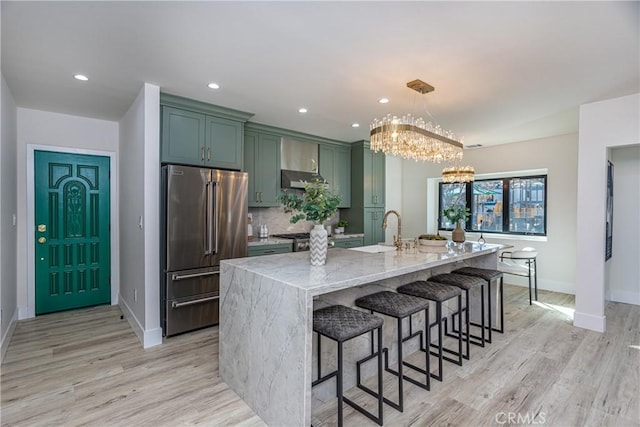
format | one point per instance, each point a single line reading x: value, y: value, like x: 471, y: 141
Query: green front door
x: 72, y: 242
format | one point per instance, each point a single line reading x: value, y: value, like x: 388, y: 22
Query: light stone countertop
x: 345, y: 235
x: 269, y: 241
x: 346, y: 268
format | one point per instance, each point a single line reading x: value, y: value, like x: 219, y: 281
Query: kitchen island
x: 266, y: 312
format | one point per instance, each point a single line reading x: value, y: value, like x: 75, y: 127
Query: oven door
x: 192, y: 300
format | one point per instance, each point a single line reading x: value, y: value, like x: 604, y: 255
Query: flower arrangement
x: 317, y: 203
x: 456, y: 213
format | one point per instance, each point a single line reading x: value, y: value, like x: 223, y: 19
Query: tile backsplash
x: 277, y: 220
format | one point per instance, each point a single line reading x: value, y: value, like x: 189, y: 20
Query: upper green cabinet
x: 368, y: 176
x: 335, y: 167
x: 262, y: 162
x: 367, y: 193
x: 200, y: 134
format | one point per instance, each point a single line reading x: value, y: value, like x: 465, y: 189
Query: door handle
x: 42, y: 240
x: 177, y: 277
x: 42, y: 228
x: 202, y: 153
x: 208, y: 153
x: 197, y: 301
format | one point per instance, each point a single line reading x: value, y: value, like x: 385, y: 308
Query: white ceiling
x: 503, y: 71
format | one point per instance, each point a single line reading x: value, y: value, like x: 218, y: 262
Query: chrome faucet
x: 397, y: 242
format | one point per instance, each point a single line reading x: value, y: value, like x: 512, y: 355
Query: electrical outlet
x: 135, y: 295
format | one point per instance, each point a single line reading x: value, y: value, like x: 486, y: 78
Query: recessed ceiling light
x: 355, y: 125
x: 302, y: 110
x: 213, y: 86
x: 383, y: 100
x: 81, y: 77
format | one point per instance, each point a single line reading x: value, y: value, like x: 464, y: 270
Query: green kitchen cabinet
x: 367, y: 193
x: 373, y: 178
x: 335, y: 167
x: 262, y: 162
x: 373, y: 231
x: 198, y: 139
x: 260, y: 250
x: 200, y: 134
x: 348, y: 242
x: 183, y: 138
x: 223, y: 142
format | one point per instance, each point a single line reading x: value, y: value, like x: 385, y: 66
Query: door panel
x: 187, y: 239
x: 72, y: 238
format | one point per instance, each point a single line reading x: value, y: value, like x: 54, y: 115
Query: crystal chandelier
x: 458, y: 174
x: 414, y: 138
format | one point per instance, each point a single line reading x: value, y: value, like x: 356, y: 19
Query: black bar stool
x: 466, y: 283
x: 398, y: 306
x: 438, y: 293
x: 489, y: 275
x: 341, y: 324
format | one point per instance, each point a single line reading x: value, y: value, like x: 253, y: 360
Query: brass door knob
x: 42, y: 228
x: 42, y: 240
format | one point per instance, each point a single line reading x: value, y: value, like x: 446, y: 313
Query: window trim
x: 506, y: 178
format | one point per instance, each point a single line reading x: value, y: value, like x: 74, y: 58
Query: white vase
x: 318, y: 245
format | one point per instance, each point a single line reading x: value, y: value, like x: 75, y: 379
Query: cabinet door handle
x: 208, y: 153
x: 202, y: 153
x: 260, y: 196
x: 257, y: 197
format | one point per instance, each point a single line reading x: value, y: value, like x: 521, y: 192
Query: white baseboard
x: 148, y: 338
x: 625, y: 297
x: 152, y: 338
x: 26, y: 313
x: 6, y: 338
x: 589, y: 321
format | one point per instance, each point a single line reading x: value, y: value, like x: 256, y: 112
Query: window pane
x: 486, y: 206
x: 451, y: 195
x: 527, y: 209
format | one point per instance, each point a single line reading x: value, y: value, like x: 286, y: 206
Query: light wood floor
x: 86, y: 367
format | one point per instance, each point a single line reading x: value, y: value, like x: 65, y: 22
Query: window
x: 513, y: 205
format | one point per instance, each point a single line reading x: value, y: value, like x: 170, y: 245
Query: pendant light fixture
x: 415, y: 138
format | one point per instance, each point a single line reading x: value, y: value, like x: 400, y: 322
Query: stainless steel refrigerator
x: 204, y: 221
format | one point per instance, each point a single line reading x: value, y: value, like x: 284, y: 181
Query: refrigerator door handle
x: 213, y: 234
x: 209, y: 219
x: 176, y: 277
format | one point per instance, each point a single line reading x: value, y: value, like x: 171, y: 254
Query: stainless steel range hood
x: 298, y: 163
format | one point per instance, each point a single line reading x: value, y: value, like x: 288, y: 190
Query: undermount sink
x: 375, y: 249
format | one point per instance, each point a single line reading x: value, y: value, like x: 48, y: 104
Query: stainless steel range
x: 300, y: 240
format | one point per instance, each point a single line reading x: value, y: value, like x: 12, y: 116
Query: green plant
x: 342, y: 223
x: 456, y: 213
x: 317, y: 203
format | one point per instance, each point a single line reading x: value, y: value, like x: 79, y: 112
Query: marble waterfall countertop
x: 350, y: 267
x: 266, y: 313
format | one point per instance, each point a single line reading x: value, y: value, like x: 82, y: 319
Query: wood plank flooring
x: 86, y: 367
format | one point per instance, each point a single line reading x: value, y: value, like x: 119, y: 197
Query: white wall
x: 623, y: 267
x: 393, y: 197
x: 8, y: 209
x: 556, y: 253
x: 140, y: 215
x: 603, y: 125
x: 58, y: 132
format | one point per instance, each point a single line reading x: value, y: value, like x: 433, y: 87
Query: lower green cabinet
x: 373, y: 231
x: 348, y: 242
x: 260, y: 250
